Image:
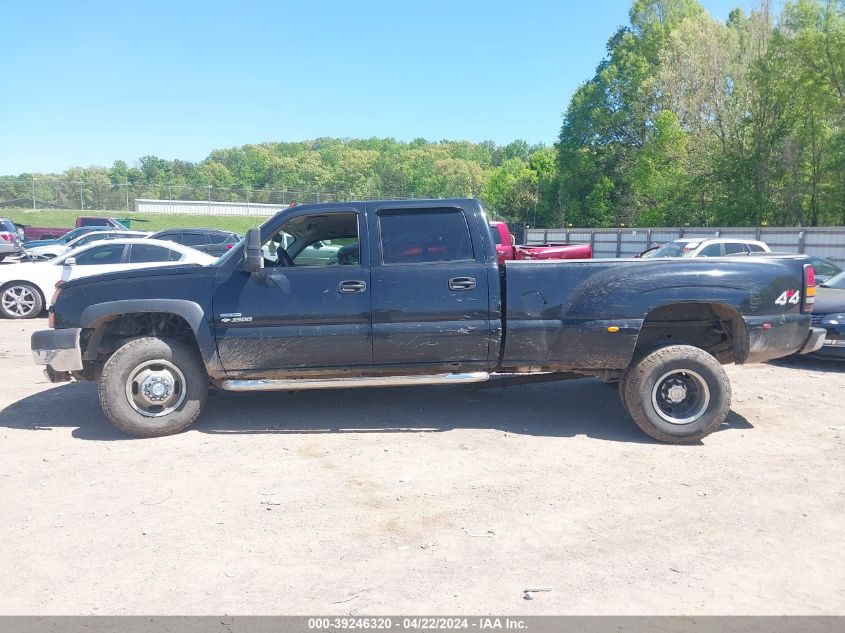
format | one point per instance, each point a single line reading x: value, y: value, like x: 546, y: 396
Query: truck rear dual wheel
x: 152, y: 387
x: 677, y: 394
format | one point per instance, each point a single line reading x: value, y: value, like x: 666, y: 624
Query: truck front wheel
x: 677, y: 394
x: 151, y: 387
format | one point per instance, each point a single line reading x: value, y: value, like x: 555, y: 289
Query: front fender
x: 97, y: 314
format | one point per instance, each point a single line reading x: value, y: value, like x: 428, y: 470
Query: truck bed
x: 557, y: 314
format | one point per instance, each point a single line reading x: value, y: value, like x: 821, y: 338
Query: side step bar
x: 297, y: 384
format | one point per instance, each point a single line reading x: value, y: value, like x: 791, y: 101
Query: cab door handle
x: 462, y: 283
x: 351, y: 285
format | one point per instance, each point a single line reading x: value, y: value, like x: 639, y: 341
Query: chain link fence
x: 102, y: 194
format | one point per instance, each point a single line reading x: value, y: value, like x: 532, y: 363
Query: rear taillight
x: 6, y: 237
x: 809, y: 288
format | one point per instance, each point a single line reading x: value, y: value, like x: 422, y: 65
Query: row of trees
x: 510, y: 178
x: 691, y: 120
x: 687, y: 121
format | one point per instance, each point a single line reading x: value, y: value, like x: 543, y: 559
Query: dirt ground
x: 426, y: 500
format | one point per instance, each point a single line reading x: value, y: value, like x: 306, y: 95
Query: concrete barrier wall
x: 827, y: 242
x: 203, y: 207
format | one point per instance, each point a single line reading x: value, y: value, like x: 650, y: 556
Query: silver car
x: 10, y: 239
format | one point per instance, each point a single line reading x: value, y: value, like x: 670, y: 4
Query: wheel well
x: 113, y: 331
x: 714, y: 327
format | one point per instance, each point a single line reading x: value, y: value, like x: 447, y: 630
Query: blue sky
x: 91, y: 82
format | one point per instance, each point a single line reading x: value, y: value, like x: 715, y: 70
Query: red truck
x: 507, y: 249
x: 51, y: 232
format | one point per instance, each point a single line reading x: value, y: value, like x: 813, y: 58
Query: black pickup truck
x: 410, y: 294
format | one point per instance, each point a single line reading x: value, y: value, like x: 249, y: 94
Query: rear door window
x: 150, y: 253
x: 735, y: 248
x: 170, y: 236
x: 218, y: 238
x: 409, y: 236
x: 99, y: 255
x: 195, y: 239
x: 713, y: 250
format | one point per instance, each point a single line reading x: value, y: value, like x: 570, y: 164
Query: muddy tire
x: 152, y: 387
x: 20, y: 300
x: 677, y: 394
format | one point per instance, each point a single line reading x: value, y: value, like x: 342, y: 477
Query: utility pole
x: 560, y: 209
x: 209, y: 198
x: 81, y: 201
x: 33, y: 193
x: 126, y: 181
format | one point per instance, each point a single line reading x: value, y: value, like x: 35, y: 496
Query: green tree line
x: 687, y: 121
x: 510, y: 178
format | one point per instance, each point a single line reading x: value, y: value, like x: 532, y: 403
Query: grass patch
x: 140, y: 221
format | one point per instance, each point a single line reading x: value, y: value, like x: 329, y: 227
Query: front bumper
x: 59, y: 350
x: 832, y: 348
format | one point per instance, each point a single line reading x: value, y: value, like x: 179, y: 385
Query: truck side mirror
x: 70, y: 261
x: 253, y: 255
x: 513, y: 240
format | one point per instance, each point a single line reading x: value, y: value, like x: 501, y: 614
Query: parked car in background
x: 20, y: 230
x: 212, y: 241
x: 710, y: 247
x: 67, y: 237
x: 49, y: 252
x: 508, y: 250
x: 27, y: 287
x: 825, y: 269
x: 829, y: 313
x: 10, y: 240
x: 51, y: 232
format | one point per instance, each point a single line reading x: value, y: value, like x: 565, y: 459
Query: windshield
x: 825, y: 267
x: 836, y: 282
x: 675, y: 249
x: 70, y: 235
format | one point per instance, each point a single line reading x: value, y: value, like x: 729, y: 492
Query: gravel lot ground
x: 427, y: 500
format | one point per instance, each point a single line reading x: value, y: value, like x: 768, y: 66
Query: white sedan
x: 54, y: 250
x: 25, y: 288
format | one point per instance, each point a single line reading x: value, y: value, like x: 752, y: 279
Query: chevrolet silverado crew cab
x: 414, y: 295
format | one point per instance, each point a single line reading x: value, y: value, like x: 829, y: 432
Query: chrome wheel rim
x: 680, y: 396
x: 155, y: 388
x: 19, y: 300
